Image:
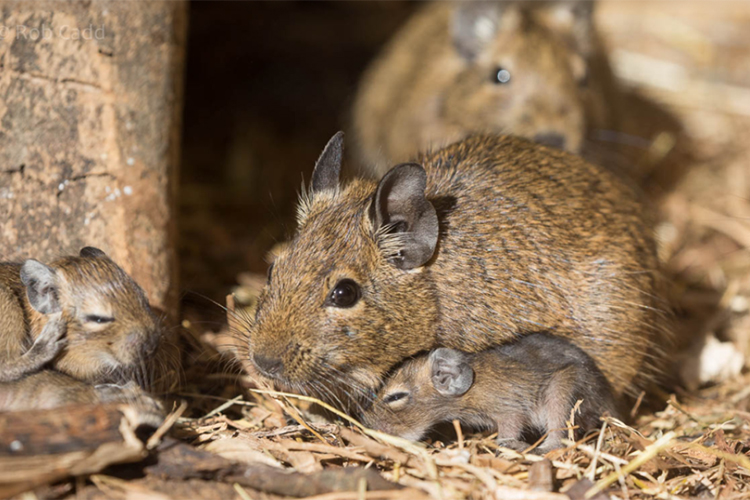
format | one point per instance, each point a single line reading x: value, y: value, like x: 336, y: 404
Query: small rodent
x: 48, y: 389
x: 533, y: 69
x: 82, y: 315
x: 525, y: 388
x: 484, y: 241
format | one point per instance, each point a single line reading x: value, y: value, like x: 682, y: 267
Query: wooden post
x: 90, y: 109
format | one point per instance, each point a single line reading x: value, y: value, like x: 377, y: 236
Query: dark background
x: 267, y: 84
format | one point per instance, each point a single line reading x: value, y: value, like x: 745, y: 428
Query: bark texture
x: 90, y: 108
x: 48, y: 445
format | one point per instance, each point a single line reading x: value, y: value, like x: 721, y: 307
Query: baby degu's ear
x: 41, y: 286
x: 92, y: 252
x: 400, y: 208
x: 451, y: 373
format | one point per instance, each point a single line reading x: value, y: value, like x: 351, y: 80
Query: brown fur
x: 422, y: 92
x: 86, y: 285
x: 528, y: 385
x: 48, y: 389
x: 13, y: 341
x: 530, y: 239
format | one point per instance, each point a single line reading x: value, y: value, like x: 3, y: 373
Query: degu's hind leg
x: 555, y: 407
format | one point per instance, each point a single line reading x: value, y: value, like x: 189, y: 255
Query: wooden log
x: 90, y: 109
x: 37, y: 447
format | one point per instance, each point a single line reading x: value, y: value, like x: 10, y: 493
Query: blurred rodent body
x: 533, y: 69
x: 521, y: 388
x: 81, y: 314
x: 48, y: 389
x: 486, y: 240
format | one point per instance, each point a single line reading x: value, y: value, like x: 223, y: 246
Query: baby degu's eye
x: 99, y: 320
x: 393, y: 397
x: 270, y: 272
x: 346, y: 293
x: 500, y: 76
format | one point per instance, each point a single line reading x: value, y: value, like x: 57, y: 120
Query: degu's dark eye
x: 270, y: 272
x: 500, y: 76
x: 99, y: 320
x: 346, y: 293
x: 396, y: 396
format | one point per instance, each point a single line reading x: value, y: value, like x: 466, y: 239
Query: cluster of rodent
x: 497, y: 281
x: 495, y: 278
x: 78, y: 330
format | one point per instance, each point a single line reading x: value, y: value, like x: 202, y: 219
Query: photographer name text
x: 44, y: 32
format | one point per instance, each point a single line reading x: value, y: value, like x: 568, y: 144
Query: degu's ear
x: 41, y: 286
x: 473, y: 25
x: 575, y: 18
x: 400, y: 207
x: 92, y: 252
x: 451, y: 374
x: 569, y: 12
x: 328, y: 167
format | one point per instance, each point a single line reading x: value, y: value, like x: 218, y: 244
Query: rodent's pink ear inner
x: 400, y: 208
x: 451, y: 374
x: 328, y: 167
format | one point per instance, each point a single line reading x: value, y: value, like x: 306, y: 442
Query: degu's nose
x: 144, y: 342
x: 552, y: 139
x: 268, y: 366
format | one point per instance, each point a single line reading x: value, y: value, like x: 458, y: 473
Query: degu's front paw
x: 513, y: 444
x: 51, y: 340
